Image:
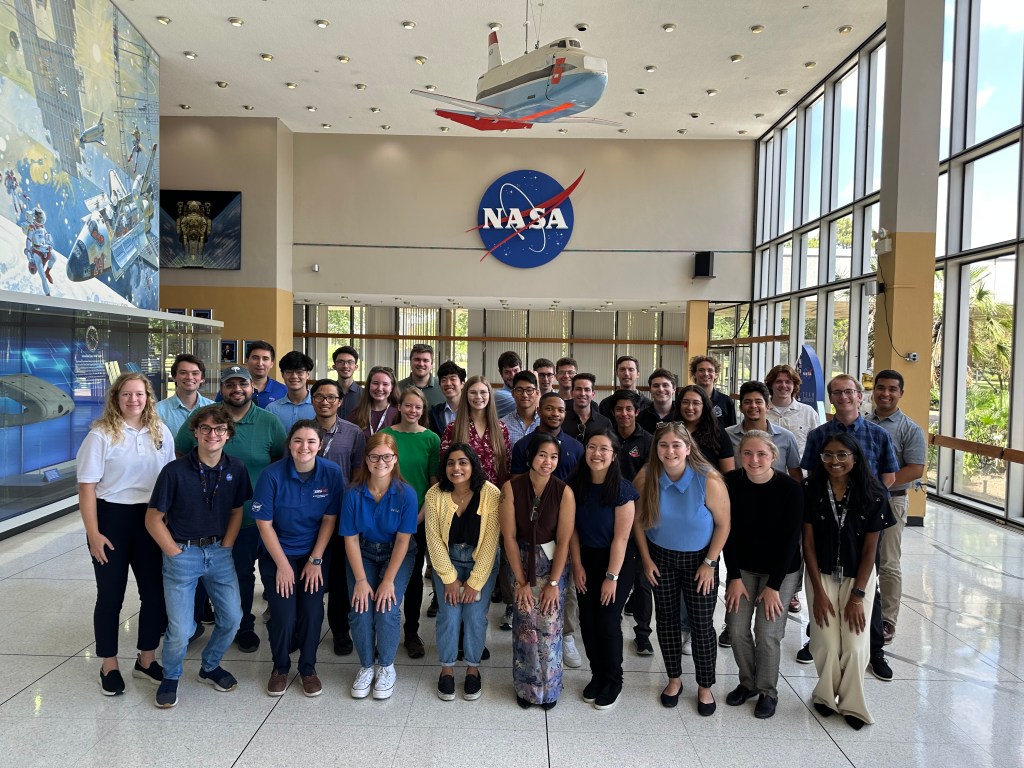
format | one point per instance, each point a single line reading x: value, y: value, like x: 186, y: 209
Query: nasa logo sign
x: 525, y: 218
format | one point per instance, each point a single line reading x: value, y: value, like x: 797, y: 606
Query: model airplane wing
x: 592, y: 120
x: 475, y: 107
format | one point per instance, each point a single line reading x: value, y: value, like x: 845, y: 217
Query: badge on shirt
x: 227, y: 477
x: 257, y: 506
x: 320, y: 493
x: 634, y: 452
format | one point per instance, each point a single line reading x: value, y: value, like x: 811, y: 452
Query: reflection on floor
x: 957, y: 698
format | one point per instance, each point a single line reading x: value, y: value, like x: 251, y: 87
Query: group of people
x: 532, y: 494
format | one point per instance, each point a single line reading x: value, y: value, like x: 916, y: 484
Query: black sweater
x: 766, y: 526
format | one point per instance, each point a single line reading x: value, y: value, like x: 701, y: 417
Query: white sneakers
x: 570, y: 656
x: 687, y: 645
x: 384, y: 685
x: 362, y: 684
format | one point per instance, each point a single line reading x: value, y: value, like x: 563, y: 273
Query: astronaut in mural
x: 136, y: 151
x: 39, y: 249
x: 194, y: 227
x: 11, y: 185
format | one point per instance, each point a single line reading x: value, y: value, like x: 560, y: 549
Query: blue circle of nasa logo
x: 526, y: 218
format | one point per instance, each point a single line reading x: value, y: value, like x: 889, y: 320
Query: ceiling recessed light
x: 494, y: 26
x: 222, y: 84
x: 267, y: 56
x: 190, y: 55
x: 631, y: 114
x: 409, y: 24
x: 445, y: 129
x: 845, y: 29
x: 563, y: 130
x: 641, y: 91
x: 386, y: 127
x: 291, y: 86
x: 248, y: 107
x: 430, y: 88
x: 344, y: 59
x: 695, y: 115
x: 670, y: 27
x: 325, y: 126
x: 420, y: 60
x: 322, y: 23
x: 742, y: 133
x: 650, y: 68
x: 165, y: 20
x: 360, y: 86
x: 736, y: 57
x: 623, y: 130
x: 711, y: 91
x: 810, y: 64
x: 311, y: 108
x: 184, y: 106
x: 234, y: 21
x: 782, y: 91
x: 757, y: 29
x: 375, y: 110
x: 759, y: 115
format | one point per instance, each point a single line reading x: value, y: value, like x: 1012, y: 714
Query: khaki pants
x: 841, y: 655
x: 890, y: 576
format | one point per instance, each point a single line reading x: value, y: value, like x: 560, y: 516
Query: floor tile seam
x: 270, y: 712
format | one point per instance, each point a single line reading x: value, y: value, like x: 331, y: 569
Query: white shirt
x: 124, y: 472
x: 799, y: 418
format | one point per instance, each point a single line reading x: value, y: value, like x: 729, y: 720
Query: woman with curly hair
x: 118, y: 464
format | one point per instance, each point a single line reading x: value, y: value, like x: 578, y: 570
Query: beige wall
x: 637, y: 200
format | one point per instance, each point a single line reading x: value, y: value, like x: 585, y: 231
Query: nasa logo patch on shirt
x: 320, y: 493
x: 228, y: 477
x: 717, y: 410
x: 257, y: 506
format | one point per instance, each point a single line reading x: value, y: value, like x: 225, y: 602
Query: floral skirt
x: 537, y: 638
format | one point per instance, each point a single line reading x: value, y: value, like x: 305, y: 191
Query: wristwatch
x: 858, y: 593
x: 552, y: 583
x: 611, y: 576
x: 316, y: 560
x: 710, y: 563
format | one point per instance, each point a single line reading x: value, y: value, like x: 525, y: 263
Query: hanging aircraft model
x: 546, y: 85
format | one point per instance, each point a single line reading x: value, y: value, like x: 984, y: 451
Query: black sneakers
x: 154, y: 673
x: 112, y: 683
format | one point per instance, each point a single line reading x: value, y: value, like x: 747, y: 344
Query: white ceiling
x: 452, y: 34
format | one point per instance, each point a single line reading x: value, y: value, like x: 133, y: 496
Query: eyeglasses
x: 296, y: 372
x: 375, y: 458
x: 524, y: 391
x: 325, y: 398
x: 344, y: 363
x: 838, y: 456
x: 236, y: 384
x: 847, y: 392
x: 602, y: 449
x: 205, y: 429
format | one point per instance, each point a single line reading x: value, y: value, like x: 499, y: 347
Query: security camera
x: 582, y: 27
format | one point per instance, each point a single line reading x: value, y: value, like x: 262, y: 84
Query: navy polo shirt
x: 191, y: 512
x: 379, y: 521
x: 297, y: 507
x: 595, y: 520
x: 570, y: 455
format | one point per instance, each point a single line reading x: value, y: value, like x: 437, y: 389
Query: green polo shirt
x: 258, y: 442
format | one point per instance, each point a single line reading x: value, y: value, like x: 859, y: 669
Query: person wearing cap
x: 295, y: 406
x: 627, y: 371
x: 258, y: 441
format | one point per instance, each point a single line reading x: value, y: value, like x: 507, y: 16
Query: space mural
x: 79, y: 136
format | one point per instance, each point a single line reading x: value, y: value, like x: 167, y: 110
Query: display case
x: 56, y: 363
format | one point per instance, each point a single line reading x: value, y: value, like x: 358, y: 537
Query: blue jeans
x: 379, y: 629
x: 244, y: 553
x: 471, y: 615
x: 214, y: 565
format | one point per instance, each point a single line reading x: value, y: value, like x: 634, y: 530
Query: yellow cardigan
x: 439, y: 509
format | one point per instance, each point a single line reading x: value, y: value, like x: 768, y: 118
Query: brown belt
x: 898, y: 493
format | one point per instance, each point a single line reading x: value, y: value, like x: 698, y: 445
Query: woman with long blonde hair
x: 118, y: 464
x: 681, y: 526
x: 476, y: 423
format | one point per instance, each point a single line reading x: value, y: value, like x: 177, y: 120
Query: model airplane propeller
x: 546, y: 85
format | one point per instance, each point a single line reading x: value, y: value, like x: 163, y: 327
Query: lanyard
x: 374, y: 429
x: 840, y: 519
x: 207, y: 496
x: 329, y: 439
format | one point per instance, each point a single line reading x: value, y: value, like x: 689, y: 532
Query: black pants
x: 414, y: 592
x: 642, y: 601
x: 134, y: 548
x: 339, y: 598
x: 601, y: 625
x: 300, y: 615
x: 877, y: 639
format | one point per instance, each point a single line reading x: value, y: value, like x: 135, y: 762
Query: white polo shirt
x: 799, y: 418
x: 124, y: 472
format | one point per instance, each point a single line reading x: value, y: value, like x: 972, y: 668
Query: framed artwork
x: 200, y: 229
x: 228, y: 351
x: 176, y: 311
x: 203, y: 314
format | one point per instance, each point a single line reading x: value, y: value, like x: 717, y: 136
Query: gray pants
x: 757, y: 655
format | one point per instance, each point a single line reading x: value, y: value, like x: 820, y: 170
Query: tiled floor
x: 957, y: 699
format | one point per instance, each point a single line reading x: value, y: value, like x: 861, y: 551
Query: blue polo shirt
x: 174, y: 413
x: 595, y: 520
x: 297, y: 507
x: 379, y: 521
x: 570, y: 455
x: 873, y: 439
x: 289, y: 412
x: 274, y: 390
x: 685, y: 523
x: 196, y: 499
